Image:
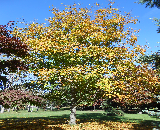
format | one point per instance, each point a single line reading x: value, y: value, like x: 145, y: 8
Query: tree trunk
x: 17, y: 108
x: 37, y: 108
x: 73, y: 106
x: 1, y: 109
x: 51, y: 107
x: 29, y: 108
x: 32, y: 108
x: 73, y: 115
x: 8, y: 109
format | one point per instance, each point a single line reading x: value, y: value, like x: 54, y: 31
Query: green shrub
x: 109, y: 110
x: 106, y: 106
x: 117, y: 112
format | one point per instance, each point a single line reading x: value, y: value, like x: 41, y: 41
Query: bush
x: 110, y: 110
x: 106, y: 105
x: 114, y: 112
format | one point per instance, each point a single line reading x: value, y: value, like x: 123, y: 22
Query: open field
x: 88, y: 120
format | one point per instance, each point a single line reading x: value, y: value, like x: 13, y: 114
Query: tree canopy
x: 11, y: 46
x: 11, y: 98
x: 76, y: 51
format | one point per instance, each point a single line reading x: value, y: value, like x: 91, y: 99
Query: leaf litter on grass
x: 62, y: 124
x: 109, y: 123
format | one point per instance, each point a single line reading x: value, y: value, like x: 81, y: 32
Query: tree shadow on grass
x: 54, y: 122
x: 35, y: 123
x: 99, y: 117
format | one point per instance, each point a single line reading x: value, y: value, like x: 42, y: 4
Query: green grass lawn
x: 62, y: 117
x: 79, y: 114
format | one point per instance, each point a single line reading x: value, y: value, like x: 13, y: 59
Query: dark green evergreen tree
x: 150, y: 3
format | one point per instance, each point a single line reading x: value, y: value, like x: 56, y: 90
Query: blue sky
x: 30, y: 10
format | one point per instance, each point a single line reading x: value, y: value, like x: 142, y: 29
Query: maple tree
x: 10, y: 98
x: 140, y: 88
x: 16, y: 50
x: 11, y: 46
x: 75, y: 51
